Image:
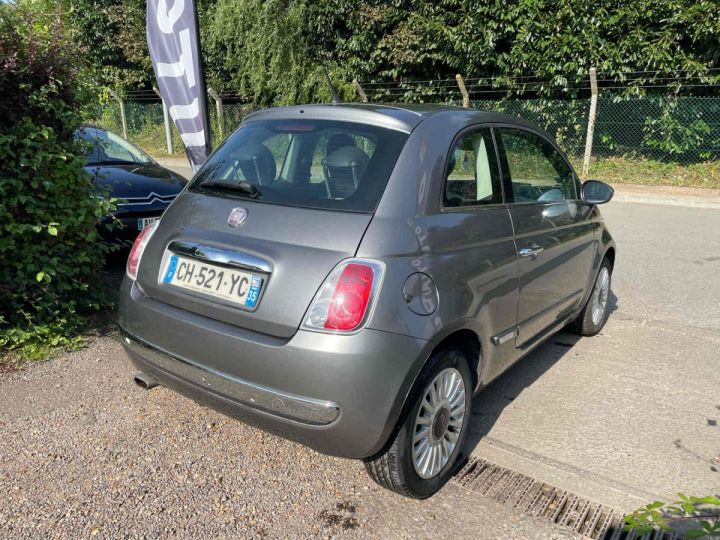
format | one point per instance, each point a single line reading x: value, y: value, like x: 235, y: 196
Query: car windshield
x: 314, y: 163
x: 110, y: 148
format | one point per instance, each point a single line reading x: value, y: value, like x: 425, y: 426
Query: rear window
x: 314, y: 163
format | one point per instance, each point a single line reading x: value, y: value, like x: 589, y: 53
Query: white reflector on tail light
x: 133, y: 262
x: 346, y: 297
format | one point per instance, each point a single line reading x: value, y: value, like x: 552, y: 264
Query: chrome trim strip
x: 263, y: 398
x: 504, y: 337
x: 221, y: 256
x: 150, y: 199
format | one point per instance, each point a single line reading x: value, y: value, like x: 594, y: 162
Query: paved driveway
x: 621, y: 419
x: 630, y: 415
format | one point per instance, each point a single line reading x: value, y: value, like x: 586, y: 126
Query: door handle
x: 530, y: 251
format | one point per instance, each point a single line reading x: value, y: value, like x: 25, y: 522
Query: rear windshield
x: 315, y: 164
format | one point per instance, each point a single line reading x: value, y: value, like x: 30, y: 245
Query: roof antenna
x: 335, y: 97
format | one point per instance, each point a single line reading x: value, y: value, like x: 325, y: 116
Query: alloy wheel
x: 600, y: 295
x: 438, y: 423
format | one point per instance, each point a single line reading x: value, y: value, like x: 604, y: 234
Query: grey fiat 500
x: 349, y: 276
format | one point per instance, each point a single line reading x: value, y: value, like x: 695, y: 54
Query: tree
x: 271, y: 51
x: 112, y: 34
x: 267, y: 51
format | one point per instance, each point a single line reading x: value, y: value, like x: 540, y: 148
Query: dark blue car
x: 142, y: 187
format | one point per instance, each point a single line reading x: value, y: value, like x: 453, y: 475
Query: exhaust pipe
x: 143, y: 380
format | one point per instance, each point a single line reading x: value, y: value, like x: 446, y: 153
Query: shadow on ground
x: 490, y: 403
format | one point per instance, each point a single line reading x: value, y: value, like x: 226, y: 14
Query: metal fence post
x: 463, y: 91
x: 219, y: 109
x: 122, y: 111
x: 591, y: 122
x: 360, y: 91
x: 166, y: 119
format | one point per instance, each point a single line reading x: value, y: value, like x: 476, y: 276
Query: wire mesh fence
x: 665, y: 126
x: 679, y: 129
x: 145, y: 123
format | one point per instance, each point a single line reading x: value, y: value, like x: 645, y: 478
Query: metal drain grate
x: 544, y: 501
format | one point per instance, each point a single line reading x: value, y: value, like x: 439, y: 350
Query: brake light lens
x: 133, y: 262
x: 346, y: 297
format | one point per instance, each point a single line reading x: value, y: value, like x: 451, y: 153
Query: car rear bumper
x: 262, y: 398
x: 339, y: 394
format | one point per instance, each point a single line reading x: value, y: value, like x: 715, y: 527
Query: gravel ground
x: 86, y: 453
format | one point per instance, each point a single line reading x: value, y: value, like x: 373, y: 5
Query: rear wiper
x: 242, y: 187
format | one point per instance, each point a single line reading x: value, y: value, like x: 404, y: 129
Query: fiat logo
x: 237, y: 217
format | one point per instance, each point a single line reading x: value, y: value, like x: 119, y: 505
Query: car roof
x: 399, y: 116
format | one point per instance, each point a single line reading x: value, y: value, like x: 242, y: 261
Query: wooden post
x: 166, y: 119
x: 463, y: 91
x: 122, y: 112
x: 360, y: 91
x: 591, y: 122
x: 219, y: 110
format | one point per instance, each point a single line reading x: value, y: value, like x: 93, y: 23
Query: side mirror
x: 596, y: 192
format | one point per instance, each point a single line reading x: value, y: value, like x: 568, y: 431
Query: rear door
x: 267, y: 218
x: 552, y: 233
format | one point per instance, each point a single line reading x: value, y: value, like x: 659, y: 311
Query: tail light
x: 345, y: 299
x: 133, y: 262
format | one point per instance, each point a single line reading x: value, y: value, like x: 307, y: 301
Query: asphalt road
x: 621, y: 419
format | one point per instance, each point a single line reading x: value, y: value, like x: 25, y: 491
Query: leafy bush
x: 698, y: 517
x: 49, y: 245
x: 678, y: 132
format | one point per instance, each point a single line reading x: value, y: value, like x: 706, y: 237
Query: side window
x: 536, y: 171
x: 472, y: 174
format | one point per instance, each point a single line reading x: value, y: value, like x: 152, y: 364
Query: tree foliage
x: 112, y: 34
x: 48, y: 207
x: 265, y: 50
x: 271, y: 51
x: 553, y: 40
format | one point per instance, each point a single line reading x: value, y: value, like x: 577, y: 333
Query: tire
x: 589, y: 322
x: 394, y: 468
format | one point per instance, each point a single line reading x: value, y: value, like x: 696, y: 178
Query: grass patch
x: 36, y: 343
x: 620, y: 170
x: 152, y: 140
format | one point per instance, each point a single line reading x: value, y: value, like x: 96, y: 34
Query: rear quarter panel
x: 469, y: 254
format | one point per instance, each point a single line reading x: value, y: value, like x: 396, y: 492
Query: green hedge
x: 49, y: 245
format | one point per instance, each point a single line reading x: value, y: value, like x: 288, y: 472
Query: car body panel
x: 552, y: 282
x: 474, y: 278
x: 301, y: 246
x: 340, y: 369
x: 136, y: 181
x: 142, y: 188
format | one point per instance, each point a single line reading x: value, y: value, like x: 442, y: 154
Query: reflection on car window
x: 536, y: 170
x: 279, y: 145
x: 110, y: 148
x: 472, y: 175
x: 314, y: 163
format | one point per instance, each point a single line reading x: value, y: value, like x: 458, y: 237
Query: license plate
x: 235, y: 286
x: 145, y: 221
